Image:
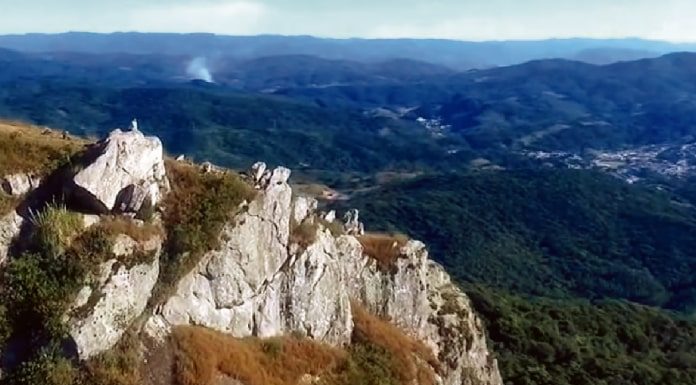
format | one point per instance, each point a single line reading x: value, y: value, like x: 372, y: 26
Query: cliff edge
x: 169, y: 250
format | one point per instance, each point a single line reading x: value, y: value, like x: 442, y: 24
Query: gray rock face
x: 10, y: 226
x: 19, y: 184
x: 259, y: 285
x: 121, y: 296
x: 128, y: 170
x: 352, y: 224
x: 253, y: 286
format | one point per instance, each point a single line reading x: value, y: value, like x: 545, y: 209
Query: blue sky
x: 457, y: 19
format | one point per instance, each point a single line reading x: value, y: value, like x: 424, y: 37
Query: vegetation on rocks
x: 380, y: 354
x: 304, y: 234
x: 40, y: 286
x: 195, y: 211
x: 204, y: 354
x: 410, y: 360
x: 383, y: 248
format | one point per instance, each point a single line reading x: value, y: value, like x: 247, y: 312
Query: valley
x: 554, y: 181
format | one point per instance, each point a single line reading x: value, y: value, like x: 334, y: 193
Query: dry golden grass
x: 383, y: 248
x: 304, y: 234
x: 115, y: 225
x: 202, y: 354
x: 120, y: 365
x: 27, y: 148
x: 411, y: 359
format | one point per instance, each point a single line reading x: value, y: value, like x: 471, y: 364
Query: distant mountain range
x: 451, y: 53
x: 409, y: 114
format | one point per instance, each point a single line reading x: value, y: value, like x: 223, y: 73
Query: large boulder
x: 104, y: 310
x: 127, y: 170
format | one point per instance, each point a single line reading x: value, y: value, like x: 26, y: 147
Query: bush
x: 49, y: 367
x: 38, y: 291
x: 367, y: 365
x: 383, y: 248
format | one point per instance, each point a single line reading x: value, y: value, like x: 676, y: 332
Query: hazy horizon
x: 625, y: 38
x: 491, y: 20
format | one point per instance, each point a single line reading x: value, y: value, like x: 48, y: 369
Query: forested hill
x: 565, y: 266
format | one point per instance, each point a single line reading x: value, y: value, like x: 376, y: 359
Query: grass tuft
x: 54, y: 228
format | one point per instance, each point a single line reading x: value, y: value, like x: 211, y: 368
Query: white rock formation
x: 128, y: 169
x: 254, y: 286
x: 10, y: 226
x: 122, y: 295
x: 19, y: 184
x: 352, y: 224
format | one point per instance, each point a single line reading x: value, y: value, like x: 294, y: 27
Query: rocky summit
x: 237, y: 255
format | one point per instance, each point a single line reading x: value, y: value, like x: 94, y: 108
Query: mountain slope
x: 559, y: 233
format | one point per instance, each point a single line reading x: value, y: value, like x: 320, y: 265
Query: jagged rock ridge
x: 260, y: 282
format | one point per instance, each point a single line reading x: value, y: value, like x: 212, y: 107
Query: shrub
x: 49, y: 367
x: 335, y: 227
x: 195, y: 211
x: 411, y: 360
x: 383, y: 248
x: 38, y: 291
x: 367, y: 365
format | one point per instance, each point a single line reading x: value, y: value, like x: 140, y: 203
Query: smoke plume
x: 198, y: 69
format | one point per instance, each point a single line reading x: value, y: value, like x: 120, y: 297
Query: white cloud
x: 228, y: 17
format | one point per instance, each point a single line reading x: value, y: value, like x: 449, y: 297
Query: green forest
x: 582, y: 278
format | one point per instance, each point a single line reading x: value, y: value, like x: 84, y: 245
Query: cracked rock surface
x: 257, y: 284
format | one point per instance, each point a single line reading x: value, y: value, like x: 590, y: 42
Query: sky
x: 476, y: 20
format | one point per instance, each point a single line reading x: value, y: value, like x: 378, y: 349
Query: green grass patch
x: 54, y: 228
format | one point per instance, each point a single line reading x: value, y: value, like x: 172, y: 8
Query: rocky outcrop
x: 10, y: 227
x: 19, y: 184
x: 127, y: 170
x: 281, y: 268
x: 104, y: 310
x: 257, y: 284
x: 252, y: 287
